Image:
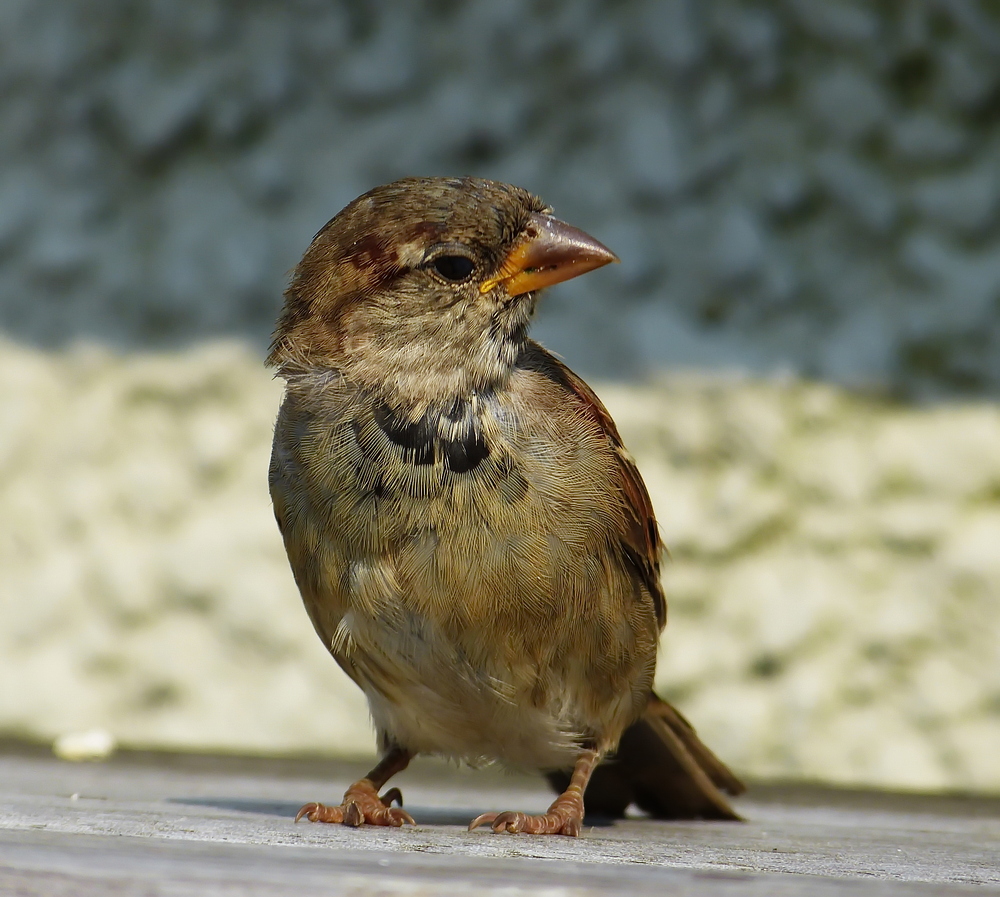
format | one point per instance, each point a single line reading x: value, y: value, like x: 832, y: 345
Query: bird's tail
x: 664, y: 768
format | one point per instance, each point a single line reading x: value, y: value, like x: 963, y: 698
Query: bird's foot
x: 362, y: 806
x: 565, y: 817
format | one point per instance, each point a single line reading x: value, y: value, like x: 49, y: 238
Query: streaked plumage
x: 471, y: 540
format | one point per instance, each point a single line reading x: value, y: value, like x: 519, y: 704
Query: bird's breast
x: 473, y: 514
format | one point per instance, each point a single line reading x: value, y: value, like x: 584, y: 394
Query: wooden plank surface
x: 178, y: 825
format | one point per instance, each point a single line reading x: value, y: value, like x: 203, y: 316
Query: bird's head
x: 427, y: 283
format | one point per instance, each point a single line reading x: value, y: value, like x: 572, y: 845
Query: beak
x: 550, y: 252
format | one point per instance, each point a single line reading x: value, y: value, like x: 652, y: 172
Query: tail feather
x: 664, y: 768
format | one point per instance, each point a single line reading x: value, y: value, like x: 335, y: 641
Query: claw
x: 558, y: 821
x: 312, y: 811
x: 479, y: 820
x: 398, y: 813
x: 353, y: 815
x: 511, y: 821
x: 361, y: 806
x: 393, y: 794
x: 565, y: 817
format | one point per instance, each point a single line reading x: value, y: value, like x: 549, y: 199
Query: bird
x: 471, y: 540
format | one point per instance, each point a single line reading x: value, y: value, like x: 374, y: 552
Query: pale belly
x: 430, y: 696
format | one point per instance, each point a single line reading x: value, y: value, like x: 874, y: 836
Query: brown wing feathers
x: 661, y: 765
x: 640, y: 542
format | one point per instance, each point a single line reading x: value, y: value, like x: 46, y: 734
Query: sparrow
x: 472, y: 542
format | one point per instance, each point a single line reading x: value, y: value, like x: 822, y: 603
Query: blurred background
x: 802, y: 346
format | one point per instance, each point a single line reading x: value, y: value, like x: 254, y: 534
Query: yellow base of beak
x: 552, y: 251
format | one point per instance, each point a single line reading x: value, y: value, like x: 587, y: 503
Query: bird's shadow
x: 422, y: 815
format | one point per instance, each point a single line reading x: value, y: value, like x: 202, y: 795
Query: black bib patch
x: 450, y: 433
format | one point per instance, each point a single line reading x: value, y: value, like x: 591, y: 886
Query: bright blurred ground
x: 834, y: 585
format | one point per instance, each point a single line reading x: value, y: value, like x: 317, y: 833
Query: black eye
x: 455, y: 268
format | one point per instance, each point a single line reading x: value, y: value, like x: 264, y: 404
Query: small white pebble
x: 75, y: 795
x: 93, y: 744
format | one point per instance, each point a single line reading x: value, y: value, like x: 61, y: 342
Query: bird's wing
x: 661, y: 765
x: 640, y: 536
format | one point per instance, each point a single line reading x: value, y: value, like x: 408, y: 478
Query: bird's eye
x: 455, y: 268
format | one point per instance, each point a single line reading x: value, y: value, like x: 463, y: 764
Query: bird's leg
x: 564, y: 817
x: 362, y: 805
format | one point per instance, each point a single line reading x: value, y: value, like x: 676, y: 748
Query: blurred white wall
x: 832, y: 589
